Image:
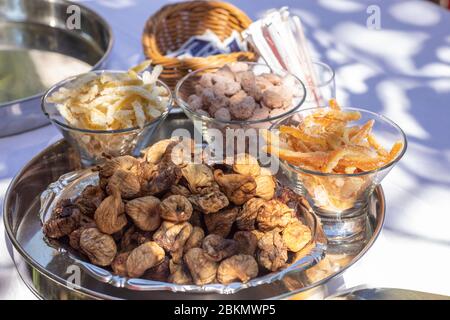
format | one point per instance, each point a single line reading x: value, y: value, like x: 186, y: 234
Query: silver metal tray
x: 48, y: 274
x: 42, y: 25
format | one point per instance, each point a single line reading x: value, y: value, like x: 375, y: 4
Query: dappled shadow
x: 403, y: 72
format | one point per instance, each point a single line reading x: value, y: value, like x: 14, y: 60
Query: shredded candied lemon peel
x: 113, y: 101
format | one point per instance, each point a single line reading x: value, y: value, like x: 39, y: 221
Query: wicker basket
x: 174, y: 24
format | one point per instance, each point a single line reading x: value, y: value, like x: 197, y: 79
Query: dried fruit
x: 246, y: 241
x: 160, y: 272
x: 273, y: 214
x: 179, y: 273
x: 74, y: 239
x: 144, y: 257
x: 195, y: 239
x: 119, y: 264
x: 89, y: 200
x: 165, y: 176
x: 127, y: 163
x: 246, y: 165
x: 272, y: 253
x: 240, y: 267
x: 220, y: 223
x: 99, y: 247
x: 197, y: 176
x: 265, y: 187
x: 176, y: 208
x: 242, y: 106
x: 127, y: 183
x: 110, y: 215
x: 217, y: 248
x: 171, y: 236
x: 65, y: 219
x: 247, y: 215
x: 237, y: 187
x: 155, y: 152
x: 180, y: 190
x: 296, y: 236
x: 145, y: 212
x: 209, y: 200
x: 202, y: 269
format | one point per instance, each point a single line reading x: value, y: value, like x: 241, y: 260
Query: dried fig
x: 220, y: 223
x: 145, y: 212
x: 202, y: 269
x: 196, y: 219
x: 160, y: 272
x: 240, y: 267
x: 274, y: 214
x: 217, y: 248
x: 74, y: 239
x: 197, y: 176
x: 89, y: 200
x: 246, y: 241
x: 172, y: 237
x: 165, y: 176
x: 237, y: 187
x: 128, y: 241
x: 272, y: 253
x: 127, y: 163
x: 127, y: 183
x: 265, y: 186
x: 155, y: 152
x: 109, y: 216
x: 176, y: 209
x: 74, y: 236
x: 246, y: 165
x: 296, y: 236
x: 119, y: 264
x: 195, y: 239
x: 144, y: 257
x: 65, y: 219
x: 209, y: 200
x: 99, y: 247
x: 247, y: 215
x: 180, y: 190
x: 258, y: 234
x: 179, y: 273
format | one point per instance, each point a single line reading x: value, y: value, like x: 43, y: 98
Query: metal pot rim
x: 106, y: 54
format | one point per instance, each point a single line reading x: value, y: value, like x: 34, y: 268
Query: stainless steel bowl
x: 42, y: 26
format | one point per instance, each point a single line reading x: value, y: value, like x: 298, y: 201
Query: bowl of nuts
x: 240, y: 95
x: 165, y: 222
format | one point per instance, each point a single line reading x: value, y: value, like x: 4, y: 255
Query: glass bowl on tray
x: 93, y: 141
x: 338, y: 183
x: 220, y: 108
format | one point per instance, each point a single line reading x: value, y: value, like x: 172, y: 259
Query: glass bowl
x: 341, y: 200
x: 93, y: 145
x: 233, y: 136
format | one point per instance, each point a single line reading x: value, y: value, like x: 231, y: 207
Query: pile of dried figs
x: 164, y: 218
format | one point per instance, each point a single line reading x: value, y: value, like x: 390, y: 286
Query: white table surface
x: 401, y: 71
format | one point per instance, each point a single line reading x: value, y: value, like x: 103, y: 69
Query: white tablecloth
x: 401, y: 71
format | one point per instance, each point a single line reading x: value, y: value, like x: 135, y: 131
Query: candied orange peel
x: 324, y: 141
